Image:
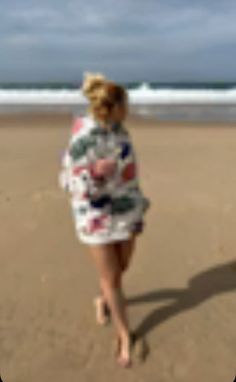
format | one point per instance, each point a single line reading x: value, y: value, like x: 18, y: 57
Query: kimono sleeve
x: 78, y: 174
x: 65, y: 173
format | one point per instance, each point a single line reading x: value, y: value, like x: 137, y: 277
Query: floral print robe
x: 105, y: 208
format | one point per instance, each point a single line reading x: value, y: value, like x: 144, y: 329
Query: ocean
x: 177, y: 101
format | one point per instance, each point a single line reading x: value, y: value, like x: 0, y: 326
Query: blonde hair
x: 103, y: 95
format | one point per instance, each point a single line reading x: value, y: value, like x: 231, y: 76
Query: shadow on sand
x: 213, y: 281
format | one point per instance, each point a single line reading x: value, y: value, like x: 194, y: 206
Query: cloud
x: 134, y: 38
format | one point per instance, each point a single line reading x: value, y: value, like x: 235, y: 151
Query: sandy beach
x: 181, y: 286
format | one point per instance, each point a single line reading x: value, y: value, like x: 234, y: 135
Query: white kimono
x: 105, y: 209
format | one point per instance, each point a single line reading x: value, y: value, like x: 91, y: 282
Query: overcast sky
x: 128, y: 40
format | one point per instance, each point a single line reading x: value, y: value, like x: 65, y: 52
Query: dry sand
x: 182, y: 282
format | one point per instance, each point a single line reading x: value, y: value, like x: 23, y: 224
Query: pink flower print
x: 77, y: 125
x: 78, y: 169
x: 97, y: 223
x: 129, y: 172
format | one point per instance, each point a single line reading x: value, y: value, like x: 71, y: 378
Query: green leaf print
x: 99, y: 131
x: 79, y: 148
x: 122, y: 204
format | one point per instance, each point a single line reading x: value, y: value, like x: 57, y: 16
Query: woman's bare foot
x: 102, y: 310
x: 137, y: 347
x: 124, y: 348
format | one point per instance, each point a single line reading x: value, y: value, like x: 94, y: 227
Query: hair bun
x: 91, y: 83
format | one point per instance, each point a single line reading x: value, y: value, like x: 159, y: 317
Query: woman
x: 100, y: 171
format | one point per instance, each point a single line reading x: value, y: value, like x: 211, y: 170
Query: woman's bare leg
x: 108, y: 266
x: 125, y: 250
x: 102, y: 309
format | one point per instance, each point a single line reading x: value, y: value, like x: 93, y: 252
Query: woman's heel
x: 102, y: 311
x: 125, y: 362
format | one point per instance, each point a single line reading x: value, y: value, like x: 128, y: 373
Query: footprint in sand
x: 4, y: 198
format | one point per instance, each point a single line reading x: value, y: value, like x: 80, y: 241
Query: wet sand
x: 181, y: 284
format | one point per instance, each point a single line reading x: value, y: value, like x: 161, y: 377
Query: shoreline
x: 47, y: 117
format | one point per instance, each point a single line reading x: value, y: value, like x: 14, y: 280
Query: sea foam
x: 143, y: 94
